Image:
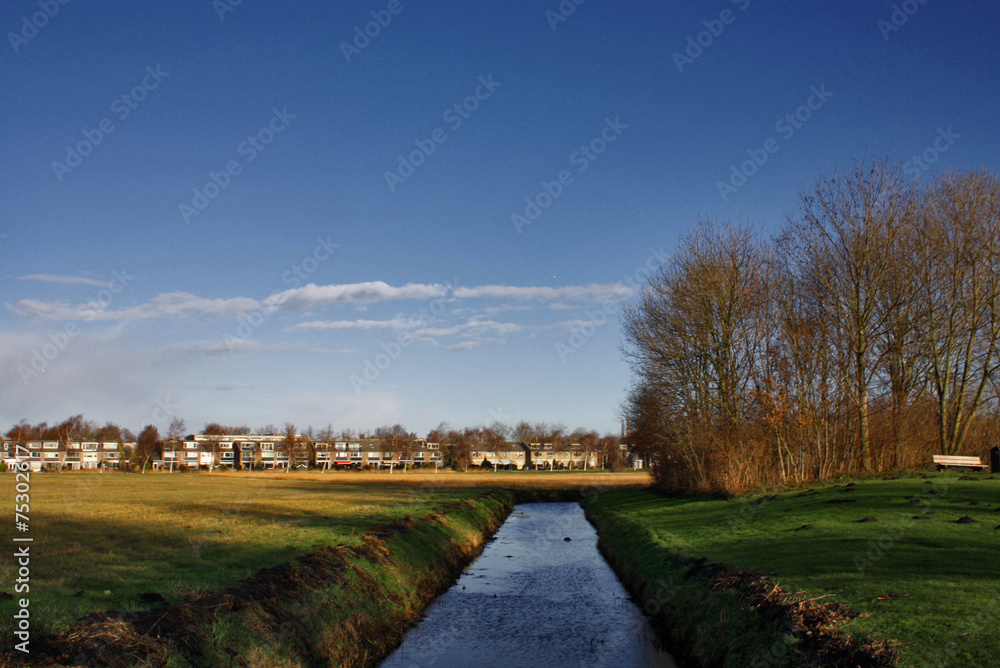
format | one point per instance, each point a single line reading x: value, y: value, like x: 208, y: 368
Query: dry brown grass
x: 457, y: 480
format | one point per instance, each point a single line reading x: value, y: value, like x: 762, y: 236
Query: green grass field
x: 931, y: 583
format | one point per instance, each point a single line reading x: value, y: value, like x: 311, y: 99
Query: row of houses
x: 263, y: 452
x: 274, y: 452
x: 74, y: 455
x: 259, y: 452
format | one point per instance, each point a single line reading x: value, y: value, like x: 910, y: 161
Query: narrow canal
x: 533, y: 598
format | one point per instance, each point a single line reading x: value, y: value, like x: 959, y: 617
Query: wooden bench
x: 944, y: 461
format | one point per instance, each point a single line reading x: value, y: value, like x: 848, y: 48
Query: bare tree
x: 290, y: 444
x: 326, y: 433
x: 460, y: 442
x: 397, y: 439
x: 176, y: 429
x: 959, y: 287
x: 148, y: 445
x: 848, y: 233
x: 695, y: 339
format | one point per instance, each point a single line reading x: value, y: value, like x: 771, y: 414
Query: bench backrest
x: 955, y: 459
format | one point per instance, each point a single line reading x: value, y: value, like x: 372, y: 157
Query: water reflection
x: 534, y: 599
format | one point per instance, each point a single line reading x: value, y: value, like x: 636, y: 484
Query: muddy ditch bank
x: 713, y: 614
x: 341, y: 605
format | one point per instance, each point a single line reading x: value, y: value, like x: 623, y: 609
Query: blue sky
x: 252, y: 214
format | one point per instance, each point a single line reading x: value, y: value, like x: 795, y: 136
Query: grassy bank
x: 898, y: 552
x: 377, y: 591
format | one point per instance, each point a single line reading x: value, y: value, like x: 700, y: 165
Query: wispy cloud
x: 322, y: 325
x: 590, y: 292
x: 222, y: 387
x: 232, y: 345
x: 310, y: 296
x: 475, y: 343
x: 173, y: 304
x: 474, y: 327
x: 66, y: 280
x: 574, y: 324
x: 185, y: 304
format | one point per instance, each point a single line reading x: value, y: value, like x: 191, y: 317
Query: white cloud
x: 590, y: 292
x: 312, y: 295
x: 185, y: 304
x: 222, y: 387
x: 475, y: 327
x: 66, y: 280
x: 320, y: 325
x: 475, y: 343
x: 172, y: 304
x: 575, y: 324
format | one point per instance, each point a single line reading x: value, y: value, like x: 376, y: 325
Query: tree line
x: 457, y: 444
x: 862, y: 337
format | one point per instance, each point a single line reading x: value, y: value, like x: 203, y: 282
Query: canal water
x: 533, y: 598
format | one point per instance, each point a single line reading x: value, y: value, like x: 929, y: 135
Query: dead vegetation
x: 815, y: 625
